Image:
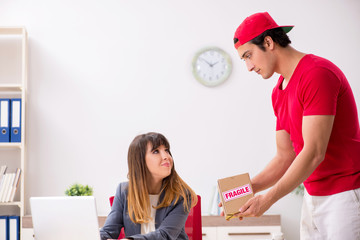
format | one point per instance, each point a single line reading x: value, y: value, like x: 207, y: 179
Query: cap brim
x: 287, y: 28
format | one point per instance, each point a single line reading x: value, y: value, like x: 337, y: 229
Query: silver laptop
x: 60, y: 218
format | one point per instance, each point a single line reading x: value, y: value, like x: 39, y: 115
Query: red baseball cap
x: 254, y: 25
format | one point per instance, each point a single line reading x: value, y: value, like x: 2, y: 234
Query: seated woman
x: 155, y: 202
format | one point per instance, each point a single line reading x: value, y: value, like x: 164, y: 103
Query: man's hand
x: 255, y: 207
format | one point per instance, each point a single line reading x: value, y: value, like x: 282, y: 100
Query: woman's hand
x: 222, y: 211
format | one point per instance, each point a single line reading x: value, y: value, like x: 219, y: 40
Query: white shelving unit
x: 13, y: 84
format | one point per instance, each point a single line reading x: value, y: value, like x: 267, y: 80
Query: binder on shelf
x: 2, y: 173
x: 4, y: 120
x: 14, y: 228
x: 15, y: 184
x: 10, y: 184
x: 15, y: 135
x: 4, y: 186
x: 4, y: 228
x: 2, y: 178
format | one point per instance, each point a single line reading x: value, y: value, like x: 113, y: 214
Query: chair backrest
x: 122, y: 234
x: 193, y: 227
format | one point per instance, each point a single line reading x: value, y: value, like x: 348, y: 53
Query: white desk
x: 213, y: 227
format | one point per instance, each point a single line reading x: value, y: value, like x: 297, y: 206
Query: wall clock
x: 211, y: 66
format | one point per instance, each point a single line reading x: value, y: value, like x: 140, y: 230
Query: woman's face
x: 158, y: 161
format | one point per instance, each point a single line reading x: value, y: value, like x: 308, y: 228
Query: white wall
x: 102, y: 72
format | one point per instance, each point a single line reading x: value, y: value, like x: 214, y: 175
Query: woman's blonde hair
x: 173, y: 186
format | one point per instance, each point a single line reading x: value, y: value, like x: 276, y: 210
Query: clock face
x: 211, y: 66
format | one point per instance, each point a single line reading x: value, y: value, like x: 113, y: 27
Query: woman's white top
x: 150, y: 226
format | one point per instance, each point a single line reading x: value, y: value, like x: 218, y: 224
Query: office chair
x: 193, y: 227
x: 122, y: 233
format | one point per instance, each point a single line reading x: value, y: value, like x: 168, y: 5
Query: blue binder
x: 4, y: 228
x: 14, y: 228
x: 15, y: 128
x: 4, y: 120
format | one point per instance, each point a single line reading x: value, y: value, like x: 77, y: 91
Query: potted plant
x: 299, y: 190
x: 79, y: 190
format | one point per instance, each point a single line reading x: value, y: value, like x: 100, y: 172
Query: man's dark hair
x: 277, y: 34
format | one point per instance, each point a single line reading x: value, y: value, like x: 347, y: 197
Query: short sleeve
x: 278, y: 125
x: 318, y: 92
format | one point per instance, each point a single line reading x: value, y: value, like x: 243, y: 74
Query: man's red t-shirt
x: 318, y: 87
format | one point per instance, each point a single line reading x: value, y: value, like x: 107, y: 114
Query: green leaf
x: 79, y: 190
x: 299, y: 190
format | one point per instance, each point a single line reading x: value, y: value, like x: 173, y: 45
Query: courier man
x: 317, y: 133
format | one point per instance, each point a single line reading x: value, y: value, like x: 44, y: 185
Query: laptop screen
x: 60, y: 218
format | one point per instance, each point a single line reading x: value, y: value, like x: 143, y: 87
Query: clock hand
x: 211, y: 65
x: 205, y: 61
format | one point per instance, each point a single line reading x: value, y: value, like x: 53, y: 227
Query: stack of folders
x: 9, y: 182
x: 10, y: 120
x: 9, y: 228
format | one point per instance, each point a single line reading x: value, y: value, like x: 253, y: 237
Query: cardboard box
x: 234, y: 192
